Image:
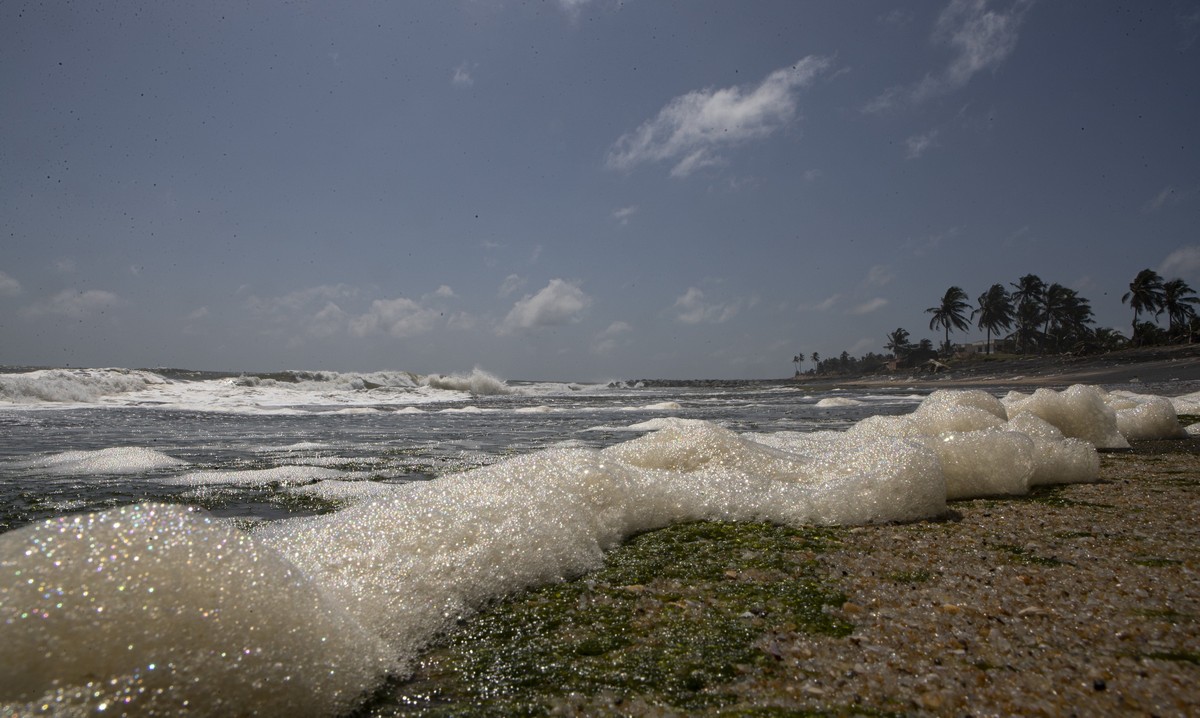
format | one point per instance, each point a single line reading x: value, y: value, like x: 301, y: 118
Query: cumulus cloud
x: 75, y: 304
x: 287, y: 305
x: 693, y: 308
x: 396, y: 317
x: 334, y: 309
x: 870, y: 305
x: 692, y: 129
x: 981, y: 39
x: 1183, y: 262
x: 559, y: 302
x: 9, y: 287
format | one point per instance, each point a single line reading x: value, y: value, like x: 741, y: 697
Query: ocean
x: 177, y: 541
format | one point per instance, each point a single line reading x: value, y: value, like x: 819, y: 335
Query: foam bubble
x: 1079, y: 412
x: 159, y: 609
x: 115, y: 460
x: 1140, y: 416
x: 259, y: 477
x: 833, y: 402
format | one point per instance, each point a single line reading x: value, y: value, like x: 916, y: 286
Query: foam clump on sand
x: 1080, y: 412
x: 1143, y: 416
x: 161, y: 610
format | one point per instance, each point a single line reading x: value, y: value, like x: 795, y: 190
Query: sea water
x: 179, y: 542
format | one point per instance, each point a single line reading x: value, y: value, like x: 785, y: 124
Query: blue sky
x: 575, y: 189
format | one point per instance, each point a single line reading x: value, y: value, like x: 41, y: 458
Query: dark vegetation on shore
x: 1041, y: 319
x: 1121, y: 365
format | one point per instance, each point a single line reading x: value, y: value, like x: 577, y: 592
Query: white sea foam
x: 286, y: 475
x: 115, y: 460
x: 156, y: 610
x: 837, y: 401
x: 340, y: 490
x: 1141, y: 416
x: 306, y: 614
x: 1079, y: 412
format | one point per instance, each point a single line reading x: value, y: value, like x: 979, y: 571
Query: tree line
x: 1031, y: 316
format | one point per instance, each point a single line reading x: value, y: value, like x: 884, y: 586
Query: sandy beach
x: 1077, y: 600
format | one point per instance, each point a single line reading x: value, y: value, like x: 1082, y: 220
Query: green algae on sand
x: 674, y: 618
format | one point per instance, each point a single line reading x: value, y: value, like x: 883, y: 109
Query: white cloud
x: 981, y: 39
x: 1169, y: 196
x: 397, y: 317
x: 511, y: 284
x: 65, y: 266
x: 9, y: 287
x: 623, y: 214
x: 918, y: 144
x: 200, y: 313
x: 462, y: 76
x: 691, y: 308
x: 880, y: 275
x: 691, y: 129
x: 559, y: 302
x: 822, y: 306
x: 329, y: 321
x: 609, y: 339
x: 870, y: 305
x: 289, y: 304
x: 444, y: 292
x: 1184, y: 261
x: 924, y: 245
x: 74, y: 303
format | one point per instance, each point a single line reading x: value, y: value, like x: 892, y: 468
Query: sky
x: 575, y: 189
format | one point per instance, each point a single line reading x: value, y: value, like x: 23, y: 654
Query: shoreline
x: 1076, y: 599
x: 1152, y: 366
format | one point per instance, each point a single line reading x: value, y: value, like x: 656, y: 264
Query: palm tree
x: 1177, y: 301
x: 1145, y: 295
x: 1108, y: 339
x: 1029, y: 290
x: 950, y: 312
x: 995, y: 312
x: 798, y: 360
x: 1069, y: 315
x: 1054, y: 300
x: 897, y: 342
